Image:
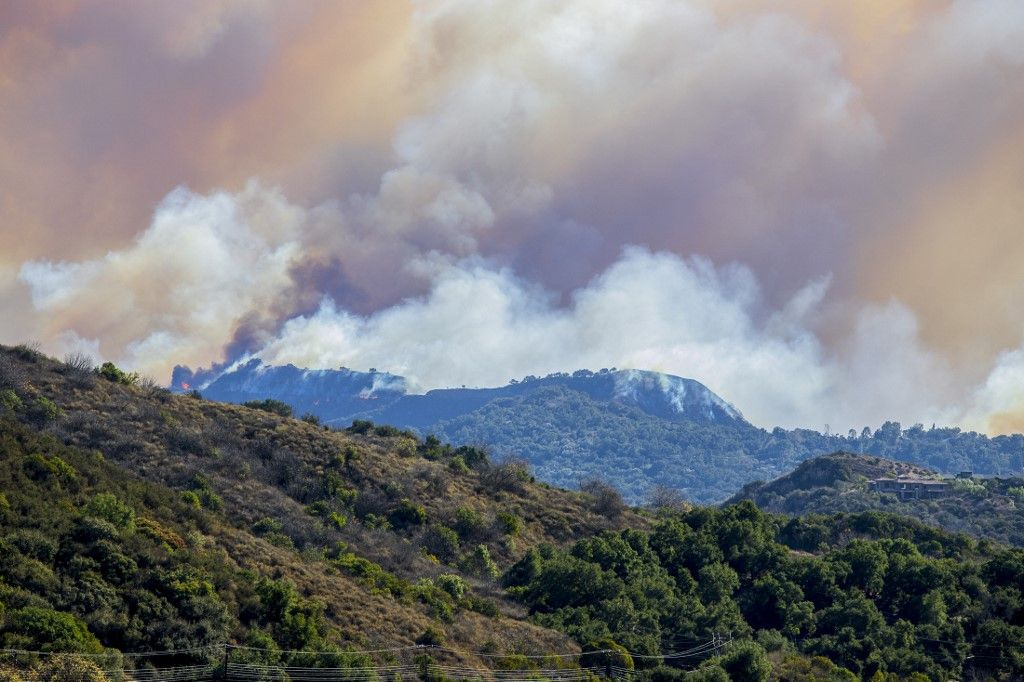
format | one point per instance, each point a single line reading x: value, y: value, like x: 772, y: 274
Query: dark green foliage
x: 140, y: 566
x: 897, y: 598
x: 281, y: 409
x: 10, y: 401
x: 748, y: 662
x: 372, y: 575
x: 111, y: 372
x: 432, y: 636
x: 39, y: 629
x: 108, y: 507
x: 479, y: 563
x: 407, y: 514
x: 839, y: 482
x: 42, y: 411
x: 569, y: 436
x: 442, y: 542
x: 361, y: 426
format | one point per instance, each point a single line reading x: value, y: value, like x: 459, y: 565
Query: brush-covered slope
x: 123, y: 505
x: 990, y: 508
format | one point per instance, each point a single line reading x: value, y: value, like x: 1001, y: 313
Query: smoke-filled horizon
x: 811, y: 208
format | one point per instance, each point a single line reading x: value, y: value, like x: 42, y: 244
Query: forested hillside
x: 983, y: 507
x: 134, y: 520
x: 639, y: 430
x: 569, y: 437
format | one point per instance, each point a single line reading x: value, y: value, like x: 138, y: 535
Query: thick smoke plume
x: 464, y: 192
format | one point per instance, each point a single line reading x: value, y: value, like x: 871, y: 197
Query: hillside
x: 983, y: 507
x: 135, y: 520
x: 363, y: 525
x: 638, y: 430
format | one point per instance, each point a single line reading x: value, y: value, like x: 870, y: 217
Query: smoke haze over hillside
x: 811, y: 209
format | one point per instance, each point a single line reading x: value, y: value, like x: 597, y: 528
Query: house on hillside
x: 911, y: 488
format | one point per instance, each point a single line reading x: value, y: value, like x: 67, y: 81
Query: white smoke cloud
x: 481, y: 325
x: 183, y: 287
x: 548, y: 136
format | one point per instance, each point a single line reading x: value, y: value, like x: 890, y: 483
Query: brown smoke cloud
x: 873, y: 144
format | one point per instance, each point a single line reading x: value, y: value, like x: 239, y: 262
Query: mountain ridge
x: 638, y: 430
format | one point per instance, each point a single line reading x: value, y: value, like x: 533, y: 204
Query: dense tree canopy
x: 895, y: 598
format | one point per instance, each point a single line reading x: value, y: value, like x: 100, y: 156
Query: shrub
x: 43, y: 411
x: 108, y: 507
x: 267, y: 525
x: 66, y: 668
x: 360, y: 426
x: 29, y: 352
x: 474, y: 456
x: 432, y: 636
x: 510, y: 523
x: 440, y: 604
x: 211, y: 500
x: 433, y: 449
x: 608, y: 653
x: 442, y: 542
x: 407, y: 514
x: 190, y: 498
x: 453, y: 584
x: 747, y: 661
x: 9, y: 400
x: 33, y: 544
x: 41, y: 629
x: 479, y: 563
x: 279, y: 540
x: 160, y: 533
x: 81, y: 369
x: 484, y: 607
x: 282, y: 409
x: 112, y: 372
x: 605, y: 499
x: 311, y: 418
x: 42, y: 468
x: 509, y: 475
x: 458, y: 464
x: 89, y: 529
x: 468, y: 522
x: 371, y: 574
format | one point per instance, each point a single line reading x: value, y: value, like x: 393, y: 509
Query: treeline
x: 887, y: 598
x: 982, y: 507
x: 567, y: 436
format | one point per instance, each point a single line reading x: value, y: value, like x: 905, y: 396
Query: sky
x: 813, y: 208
